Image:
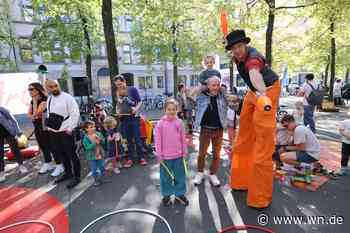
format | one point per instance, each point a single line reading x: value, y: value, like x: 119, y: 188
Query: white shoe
x: 22, y: 169
x: 46, y: 167
x: 214, y: 180
x: 2, y: 177
x: 58, y: 170
x: 199, y: 178
x: 116, y: 170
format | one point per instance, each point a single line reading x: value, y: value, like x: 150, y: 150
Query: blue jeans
x: 131, y: 128
x: 176, y: 167
x: 97, y: 164
x: 309, y: 117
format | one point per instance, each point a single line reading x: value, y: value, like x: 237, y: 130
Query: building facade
x: 150, y: 79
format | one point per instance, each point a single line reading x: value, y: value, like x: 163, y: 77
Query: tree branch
x: 295, y: 7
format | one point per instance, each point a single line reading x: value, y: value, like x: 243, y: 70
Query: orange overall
x: 252, y: 167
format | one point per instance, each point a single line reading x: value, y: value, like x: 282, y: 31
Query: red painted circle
x: 23, y: 204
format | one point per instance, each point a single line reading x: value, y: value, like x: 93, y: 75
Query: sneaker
x: 73, y: 183
x: 199, y: 178
x: 344, y: 171
x: 45, y: 168
x: 58, y: 170
x: 116, y: 170
x: 214, y: 180
x: 166, y: 201
x: 2, y: 177
x: 128, y: 163
x: 182, y: 200
x: 143, y: 162
x: 22, y: 169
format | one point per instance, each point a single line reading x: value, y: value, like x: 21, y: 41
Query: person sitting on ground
x: 9, y: 131
x: 171, y: 148
x: 306, y: 148
x: 344, y: 130
x: 93, y: 150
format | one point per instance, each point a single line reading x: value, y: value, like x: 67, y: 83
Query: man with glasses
x: 306, y: 148
x: 63, y: 118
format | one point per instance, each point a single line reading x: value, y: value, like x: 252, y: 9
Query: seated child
x: 93, y: 150
x: 113, y: 139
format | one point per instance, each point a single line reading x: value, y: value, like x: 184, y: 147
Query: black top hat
x: 235, y: 37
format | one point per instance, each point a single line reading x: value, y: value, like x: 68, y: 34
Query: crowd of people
x: 209, y: 108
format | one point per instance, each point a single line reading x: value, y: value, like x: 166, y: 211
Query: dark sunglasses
x: 53, y: 86
x: 31, y: 89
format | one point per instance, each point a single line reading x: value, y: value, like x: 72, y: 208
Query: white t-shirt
x: 306, y: 89
x: 66, y: 106
x: 346, y: 126
x: 304, y: 135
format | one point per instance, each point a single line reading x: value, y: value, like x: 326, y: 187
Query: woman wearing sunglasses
x: 36, y: 113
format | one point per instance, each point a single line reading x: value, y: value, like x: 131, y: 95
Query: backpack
x: 316, y: 96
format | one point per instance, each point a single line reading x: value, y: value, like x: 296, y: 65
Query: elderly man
x: 211, y: 118
x: 63, y: 113
x: 252, y: 161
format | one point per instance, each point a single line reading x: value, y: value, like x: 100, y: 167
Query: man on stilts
x: 252, y: 166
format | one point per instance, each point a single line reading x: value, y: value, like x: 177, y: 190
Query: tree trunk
x: 269, y: 32
x: 346, y: 75
x: 175, y: 58
x: 107, y: 19
x: 326, y: 74
x: 88, y: 59
x: 333, y: 52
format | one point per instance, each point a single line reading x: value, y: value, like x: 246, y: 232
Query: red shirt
x: 254, y: 63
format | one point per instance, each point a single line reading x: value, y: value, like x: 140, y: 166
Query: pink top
x: 170, y: 139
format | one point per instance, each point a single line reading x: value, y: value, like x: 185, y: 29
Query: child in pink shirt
x: 171, y: 148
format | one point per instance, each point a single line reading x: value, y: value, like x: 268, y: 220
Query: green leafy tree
x: 8, y: 41
x: 71, y: 24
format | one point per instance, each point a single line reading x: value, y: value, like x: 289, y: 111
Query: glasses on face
x: 52, y: 86
x: 31, y: 89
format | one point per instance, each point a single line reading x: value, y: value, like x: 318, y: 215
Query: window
x: 26, y: 50
x: 28, y: 13
x: 56, y: 54
x: 145, y: 82
x: 127, y: 54
x: 136, y: 57
x: 160, y: 82
x: 99, y: 51
x: 128, y: 24
x: 157, y: 60
x: 194, y: 80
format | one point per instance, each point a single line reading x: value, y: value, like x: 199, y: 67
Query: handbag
x: 55, y: 120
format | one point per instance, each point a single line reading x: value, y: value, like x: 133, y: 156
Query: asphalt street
x: 211, y: 209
